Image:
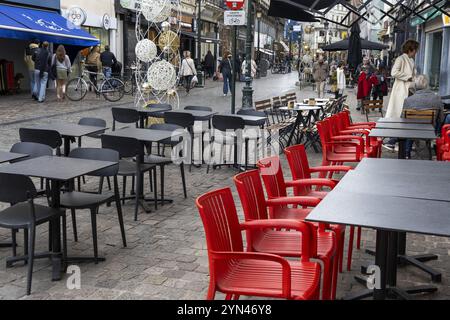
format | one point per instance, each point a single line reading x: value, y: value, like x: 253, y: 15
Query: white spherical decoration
x: 161, y: 76
x: 156, y: 10
x: 146, y: 50
x: 165, y: 26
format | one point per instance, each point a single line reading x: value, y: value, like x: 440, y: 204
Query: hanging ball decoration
x: 146, y: 50
x: 165, y: 26
x: 156, y: 10
x: 169, y: 40
x: 161, y: 76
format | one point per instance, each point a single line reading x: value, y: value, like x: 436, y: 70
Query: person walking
x: 209, y: 64
x: 320, y: 74
x: 63, y: 69
x: 30, y: 52
x: 42, y: 64
x: 341, y: 80
x: 108, y: 60
x: 93, y: 65
x: 187, y: 71
x: 226, y: 69
x: 403, y: 72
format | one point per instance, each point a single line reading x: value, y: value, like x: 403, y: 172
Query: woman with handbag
x: 226, y: 69
x: 61, y: 68
x: 188, y: 73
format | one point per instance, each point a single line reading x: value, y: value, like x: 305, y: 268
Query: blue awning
x: 28, y: 24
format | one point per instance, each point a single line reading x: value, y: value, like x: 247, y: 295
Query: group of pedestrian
x: 100, y: 62
x: 43, y: 65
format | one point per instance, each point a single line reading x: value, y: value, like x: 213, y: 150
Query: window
x: 101, y: 34
x: 433, y: 58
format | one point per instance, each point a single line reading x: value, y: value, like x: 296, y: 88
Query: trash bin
x: 201, y: 79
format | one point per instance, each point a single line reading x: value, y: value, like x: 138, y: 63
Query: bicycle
x: 112, y: 89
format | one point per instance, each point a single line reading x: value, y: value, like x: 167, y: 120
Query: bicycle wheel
x: 128, y: 86
x: 76, y: 89
x: 112, y: 89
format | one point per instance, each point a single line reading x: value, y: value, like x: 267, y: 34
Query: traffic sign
x: 234, y: 18
x: 235, y: 4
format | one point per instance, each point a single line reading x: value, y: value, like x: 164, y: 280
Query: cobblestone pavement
x: 166, y: 256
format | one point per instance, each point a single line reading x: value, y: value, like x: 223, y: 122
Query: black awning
x: 365, y: 44
x: 289, y: 10
x: 202, y: 38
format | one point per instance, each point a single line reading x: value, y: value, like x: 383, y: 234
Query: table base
x: 392, y: 293
x: 6, y: 245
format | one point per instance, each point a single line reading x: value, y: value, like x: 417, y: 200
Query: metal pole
x: 290, y: 50
x: 247, y: 92
x: 234, y: 72
x: 259, y: 30
x: 199, y: 35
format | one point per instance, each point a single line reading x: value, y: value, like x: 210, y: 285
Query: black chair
x: 50, y: 138
x: 19, y: 191
x: 93, y: 122
x: 183, y: 120
x: 74, y: 200
x: 129, y: 148
x: 125, y: 115
x: 161, y: 161
x: 224, y: 124
x: 159, y: 114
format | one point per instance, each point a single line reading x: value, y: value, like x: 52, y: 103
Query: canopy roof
x: 343, y: 45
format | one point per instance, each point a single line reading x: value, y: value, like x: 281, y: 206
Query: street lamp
x: 247, y: 92
x: 259, y: 15
x: 291, y: 28
x: 199, y: 34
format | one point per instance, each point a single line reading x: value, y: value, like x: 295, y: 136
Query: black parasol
x: 343, y: 45
x: 354, y: 47
x: 289, y: 10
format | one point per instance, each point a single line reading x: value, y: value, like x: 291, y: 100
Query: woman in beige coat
x: 403, y: 72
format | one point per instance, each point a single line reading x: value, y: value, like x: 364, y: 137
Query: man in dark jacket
x: 108, y: 59
x: 209, y: 64
x: 226, y: 69
x: 42, y: 64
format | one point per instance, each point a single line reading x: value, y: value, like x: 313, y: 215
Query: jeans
x: 40, y: 85
x: 32, y: 81
x: 187, y: 82
x: 227, y: 82
x: 107, y: 71
x: 408, y: 147
x: 321, y: 89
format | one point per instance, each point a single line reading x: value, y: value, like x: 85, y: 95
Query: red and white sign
x: 235, y: 4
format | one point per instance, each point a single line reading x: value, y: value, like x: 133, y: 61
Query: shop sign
x: 235, y: 4
x: 76, y: 15
x: 234, y: 18
x: 131, y: 4
x: 106, y: 21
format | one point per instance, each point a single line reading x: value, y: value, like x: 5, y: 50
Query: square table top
x: 143, y: 135
x: 154, y: 110
x: 404, y: 126
x: 6, y: 156
x: 383, y: 212
x: 199, y: 115
x: 302, y: 108
x: 68, y: 129
x: 416, y: 167
x: 317, y: 104
x: 56, y: 168
x: 403, y: 120
x: 252, y: 120
x: 414, y: 186
x: 403, y: 134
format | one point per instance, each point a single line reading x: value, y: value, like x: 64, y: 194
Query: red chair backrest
x: 334, y: 125
x: 345, y: 116
x: 220, y: 221
x: 251, y: 193
x: 272, y: 176
x: 324, y: 132
x: 299, y: 165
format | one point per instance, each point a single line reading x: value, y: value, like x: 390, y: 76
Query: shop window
x: 101, y: 34
x: 433, y: 58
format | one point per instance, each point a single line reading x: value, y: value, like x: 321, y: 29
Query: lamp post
x: 259, y: 16
x: 291, y: 28
x: 247, y: 92
x: 199, y: 34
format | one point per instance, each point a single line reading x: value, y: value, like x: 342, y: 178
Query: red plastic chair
x: 279, y: 242
x: 300, y: 170
x: 349, y: 124
x: 443, y: 144
x: 236, y: 272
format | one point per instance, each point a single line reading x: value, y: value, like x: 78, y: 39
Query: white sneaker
x: 224, y: 94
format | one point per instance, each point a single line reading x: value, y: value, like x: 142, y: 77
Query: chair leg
x: 25, y: 241
x: 350, y: 248
x: 136, y: 205
x: 327, y: 278
x: 79, y: 183
x: 162, y: 184
x: 100, y: 185
x: 133, y: 184
x: 119, y: 211
x: 109, y: 183
x: 31, y: 230
x: 64, y: 239
x: 183, y: 179
x: 124, y: 189
x: 14, y: 242
x: 94, y: 232
x: 74, y: 225
x: 150, y: 178
x: 358, y: 238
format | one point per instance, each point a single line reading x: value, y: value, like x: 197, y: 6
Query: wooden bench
x: 428, y: 115
x: 369, y: 105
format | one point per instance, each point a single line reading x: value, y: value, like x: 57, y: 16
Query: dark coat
x: 225, y: 66
x: 42, y: 60
x: 209, y: 60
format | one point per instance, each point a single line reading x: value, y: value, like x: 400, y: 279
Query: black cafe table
x: 68, y: 131
x: 58, y: 170
x: 144, y: 136
x: 403, y: 120
x: 152, y: 110
x: 6, y: 156
x: 305, y: 121
x: 402, y: 136
x: 362, y: 200
x: 252, y: 121
x: 404, y: 126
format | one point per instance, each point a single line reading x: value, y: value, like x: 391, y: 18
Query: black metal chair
x: 185, y: 121
x: 224, y: 124
x: 50, y: 138
x: 19, y: 191
x: 74, y: 200
x: 161, y: 161
x: 125, y: 115
x: 129, y: 148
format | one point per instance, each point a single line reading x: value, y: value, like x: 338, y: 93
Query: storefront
x: 23, y: 21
